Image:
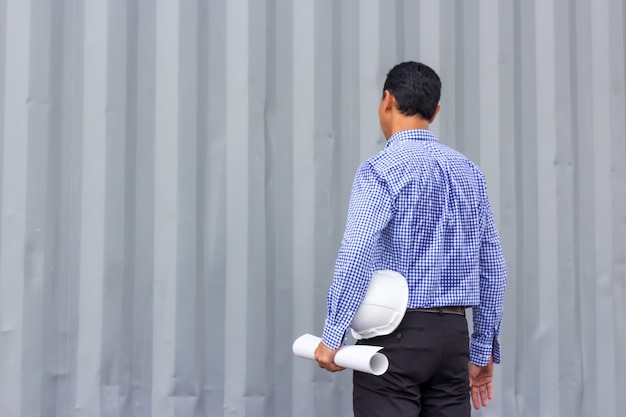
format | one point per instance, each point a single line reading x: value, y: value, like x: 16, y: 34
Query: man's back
x: 434, y: 236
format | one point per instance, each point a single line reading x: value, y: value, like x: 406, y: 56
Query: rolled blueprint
x: 358, y: 357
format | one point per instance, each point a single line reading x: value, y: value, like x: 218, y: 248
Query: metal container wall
x: 175, y: 176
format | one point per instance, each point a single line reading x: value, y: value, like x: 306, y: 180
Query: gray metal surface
x: 175, y: 176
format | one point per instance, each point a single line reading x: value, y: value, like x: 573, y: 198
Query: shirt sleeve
x: 369, y: 212
x: 488, y: 315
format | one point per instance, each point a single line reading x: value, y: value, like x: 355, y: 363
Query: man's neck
x: 408, y: 123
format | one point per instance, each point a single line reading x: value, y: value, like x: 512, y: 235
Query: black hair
x: 416, y: 87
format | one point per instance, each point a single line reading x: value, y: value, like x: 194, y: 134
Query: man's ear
x: 389, y: 100
x: 432, y: 119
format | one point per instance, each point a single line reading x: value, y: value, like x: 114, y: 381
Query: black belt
x: 441, y: 310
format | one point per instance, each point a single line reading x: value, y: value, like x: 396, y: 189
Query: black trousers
x: 427, y: 377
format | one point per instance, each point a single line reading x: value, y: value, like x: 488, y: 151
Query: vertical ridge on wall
x: 237, y: 121
x: 272, y: 378
x: 449, y: 52
x: 216, y: 206
x: 37, y: 260
x: 617, y: 58
x: 466, y: 138
x: 429, y: 50
x: 92, y: 221
x: 55, y: 357
x: 257, y: 361
x: 3, y: 12
x: 185, y: 390
x: 279, y: 207
x: 166, y: 209
x: 73, y: 101
x: 527, y: 180
x: 584, y: 238
x: 488, y: 97
x: 303, y: 159
x: 117, y: 253
x: 368, y: 71
x: 141, y: 159
x: 281, y: 266
x: 547, y: 213
x: 32, y: 261
x: 201, y: 160
x: 14, y: 194
x: 570, y: 398
x: 603, y: 253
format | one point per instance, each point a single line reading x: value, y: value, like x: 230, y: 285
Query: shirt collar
x: 413, y: 134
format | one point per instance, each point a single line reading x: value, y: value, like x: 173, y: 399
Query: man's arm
x: 368, y: 214
x: 488, y: 315
x: 484, y: 347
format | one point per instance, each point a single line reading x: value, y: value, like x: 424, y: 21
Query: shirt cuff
x: 333, y: 337
x: 481, y: 353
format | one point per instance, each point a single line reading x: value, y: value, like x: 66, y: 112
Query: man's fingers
x: 331, y: 367
x: 325, y: 358
x: 483, y: 395
x: 328, y: 364
x: 475, y: 400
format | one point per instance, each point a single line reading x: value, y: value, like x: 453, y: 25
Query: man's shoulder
x: 388, y: 159
x: 397, y: 165
x: 421, y: 159
x: 400, y: 153
x: 457, y: 158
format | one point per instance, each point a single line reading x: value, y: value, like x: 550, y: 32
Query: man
x: 421, y: 209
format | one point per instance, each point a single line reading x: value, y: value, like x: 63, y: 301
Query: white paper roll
x: 358, y: 357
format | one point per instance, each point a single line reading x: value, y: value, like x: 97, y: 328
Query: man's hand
x: 325, y: 356
x: 481, y: 378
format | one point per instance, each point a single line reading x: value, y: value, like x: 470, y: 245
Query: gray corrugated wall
x: 175, y: 176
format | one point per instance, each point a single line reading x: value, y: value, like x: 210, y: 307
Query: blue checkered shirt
x: 421, y: 209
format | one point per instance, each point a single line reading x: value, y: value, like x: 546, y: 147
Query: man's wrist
x: 332, y: 337
x: 480, y: 354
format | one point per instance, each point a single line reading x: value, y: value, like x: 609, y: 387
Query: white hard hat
x: 383, y: 306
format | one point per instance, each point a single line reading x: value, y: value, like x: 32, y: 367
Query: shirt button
x: 399, y: 336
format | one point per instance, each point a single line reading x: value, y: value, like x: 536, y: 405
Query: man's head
x: 410, y: 98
